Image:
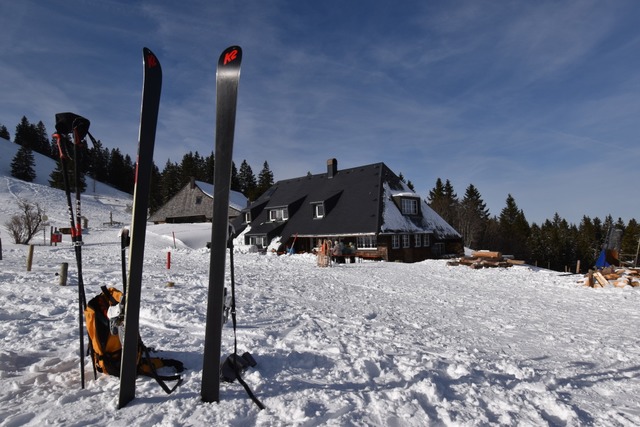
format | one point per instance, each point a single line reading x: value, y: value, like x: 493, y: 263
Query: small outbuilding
x: 194, y: 203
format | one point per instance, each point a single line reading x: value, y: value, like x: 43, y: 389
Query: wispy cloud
x: 530, y: 99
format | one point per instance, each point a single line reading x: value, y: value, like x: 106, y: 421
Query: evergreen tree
x: 409, y: 183
x: 472, y: 217
x: 43, y: 146
x: 55, y: 151
x: 192, y: 166
x: 4, y: 132
x: 235, y: 182
x: 56, y: 178
x: 560, y: 238
x: 491, y: 237
x: 436, y: 199
x: 265, y: 178
x: 130, y: 170
x: 170, y: 181
x: 155, y: 193
x: 631, y: 241
x: 444, y: 200
x: 587, y: 246
x: 22, y: 165
x: 538, y: 246
x: 514, y: 230
x: 209, y: 168
x: 121, y: 171
x: 98, y: 160
x: 26, y: 134
x: 247, y: 181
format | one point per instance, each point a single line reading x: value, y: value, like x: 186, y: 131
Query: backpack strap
x: 146, y: 360
x: 112, y: 300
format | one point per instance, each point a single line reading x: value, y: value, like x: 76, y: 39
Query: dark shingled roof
x: 352, y: 198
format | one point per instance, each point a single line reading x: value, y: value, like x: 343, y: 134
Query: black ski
x: 148, y: 119
x: 227, y: 77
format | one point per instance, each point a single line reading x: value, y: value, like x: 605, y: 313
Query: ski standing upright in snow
x: 152, y: 85
x: 227, y: 77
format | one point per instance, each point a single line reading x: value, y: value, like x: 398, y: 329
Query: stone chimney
x: 332, y: 168
x: 192, y: 183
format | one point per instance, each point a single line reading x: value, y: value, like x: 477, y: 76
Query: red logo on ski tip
x: 230, y: 56
x: 151, y: 61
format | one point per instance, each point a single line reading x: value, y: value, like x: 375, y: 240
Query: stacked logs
x: 485, y: 259
x: 618, y: 277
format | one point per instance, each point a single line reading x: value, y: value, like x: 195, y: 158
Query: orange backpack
x: 106, y: 348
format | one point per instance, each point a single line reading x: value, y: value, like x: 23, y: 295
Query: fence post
x: 64, y: 267
x: 0, y: 249
x: 29, y: 257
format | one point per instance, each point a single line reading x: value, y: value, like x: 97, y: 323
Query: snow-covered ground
x: 372, y: 343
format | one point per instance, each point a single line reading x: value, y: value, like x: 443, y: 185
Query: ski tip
x: 230, y: 57
x: 149, y: 59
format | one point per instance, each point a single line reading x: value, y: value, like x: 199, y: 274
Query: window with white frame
x: 318, y: 210
x: 367, y: 242
x: 395, y: 241
x: 418, y: 240
x: 406, y: 240
x: 279, y: 214
x: 409, y: 206
x: 257, y: 240
x: 427, y: 240
x: 247, y: 217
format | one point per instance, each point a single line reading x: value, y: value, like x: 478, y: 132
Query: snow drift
x: 371, y: 343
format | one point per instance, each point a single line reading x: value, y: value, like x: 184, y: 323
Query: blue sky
x: 539, y: 100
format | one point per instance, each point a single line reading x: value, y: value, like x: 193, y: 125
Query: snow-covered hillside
x: 372, y: 343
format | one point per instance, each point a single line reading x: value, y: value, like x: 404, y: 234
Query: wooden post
x: 578, y: 267
x: 0, y: 249
x: 29, y: 257
x: 64, y: 267
x: 169, y: 260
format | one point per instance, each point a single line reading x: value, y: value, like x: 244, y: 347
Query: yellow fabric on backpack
x: 106, y: 349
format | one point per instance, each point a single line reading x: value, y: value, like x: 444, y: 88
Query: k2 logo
x: 230, y: 57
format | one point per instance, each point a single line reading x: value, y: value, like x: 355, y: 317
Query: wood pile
x: 485, y: 259
x: 618, y: 277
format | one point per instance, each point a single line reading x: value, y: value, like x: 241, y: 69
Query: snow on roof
x: 394, y: 220
x: 236, y: 199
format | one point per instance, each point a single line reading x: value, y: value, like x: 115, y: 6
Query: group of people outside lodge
x: 336, y: 252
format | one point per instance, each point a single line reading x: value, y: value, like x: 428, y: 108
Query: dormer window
x: 247, y: 217
x: 278, y: 214
x: 409, y: 206
x: 318, y: 210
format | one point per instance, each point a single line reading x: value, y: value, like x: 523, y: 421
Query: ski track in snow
x: 365, y: 344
